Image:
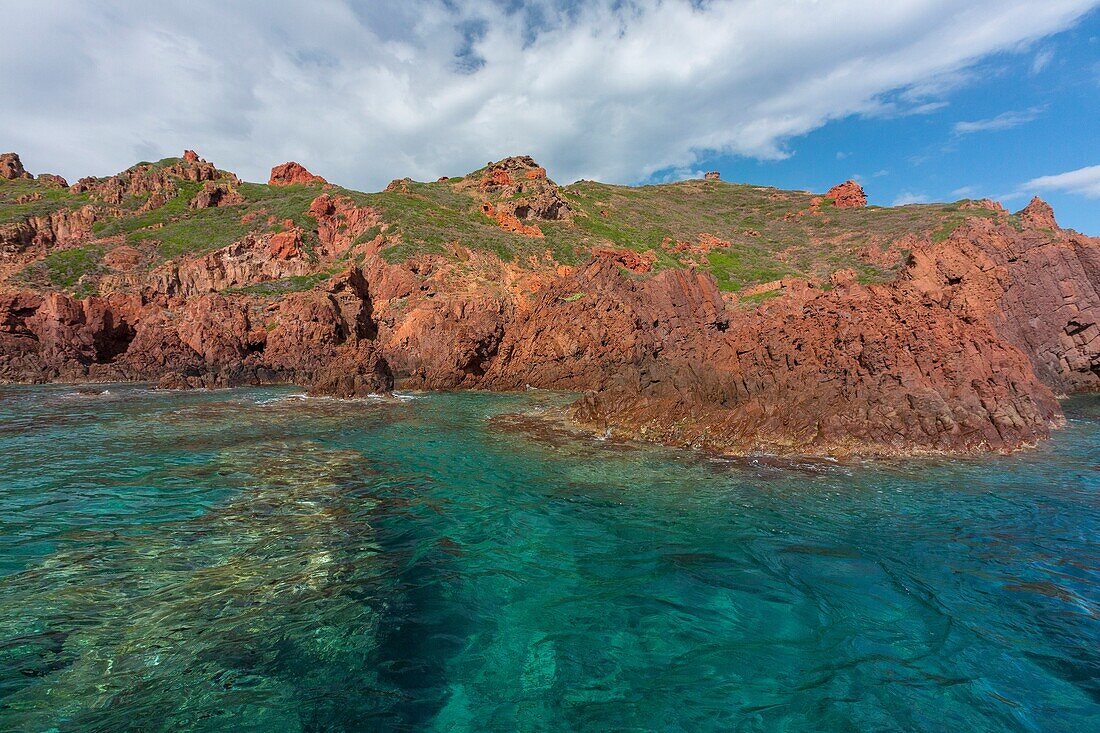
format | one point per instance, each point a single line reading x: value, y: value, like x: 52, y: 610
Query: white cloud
x: 678, y: 174
x: 1083, y: 181
x: 1042, y: 60
x: 1004, y: 121
x: 908, y: 197
x: 928, y: 108
x: 362, y: 92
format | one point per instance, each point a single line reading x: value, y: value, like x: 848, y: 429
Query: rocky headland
x: 729, y: 317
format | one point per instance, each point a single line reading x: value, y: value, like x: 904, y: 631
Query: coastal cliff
x: 729, y: 317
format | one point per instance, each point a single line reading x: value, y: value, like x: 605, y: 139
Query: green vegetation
x: 734, y: 269
x: 48, y: 200
x: 177, y: 231
x: 66, y: 268
x: 771, y: 233
x: 757, y: 298
x: 431, y: 217
x: 572, y: 297
x: 944, y: 232
x: 369, y: 235
x: 293, y: 284
x: 742, y: 234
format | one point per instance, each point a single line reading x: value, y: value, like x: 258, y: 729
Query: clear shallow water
x: 250, y: 560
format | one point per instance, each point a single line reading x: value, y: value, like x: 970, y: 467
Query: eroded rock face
x: 248, y: 261
x: 210, y: 340
x: 40, y: 233
x: 11, y: 167
x: 1039, y: 289
x: 627, y: 259
x: 215, y: 194
x: 447, y: 343
x: 866, y: 369
x: 51, y: 336
x: 341, y: 222
x: 510, y: 222
x: 847, y: 195
x: 291, y: 173
x: 800, y: 378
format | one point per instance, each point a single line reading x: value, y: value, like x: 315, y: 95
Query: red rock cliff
x: 962, y: 351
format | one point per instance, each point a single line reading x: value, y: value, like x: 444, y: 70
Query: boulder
x: 11, y: 167
x: 847, y: 195
x: 290, y: 174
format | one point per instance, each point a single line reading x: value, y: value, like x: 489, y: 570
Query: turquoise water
x: 254, y: 560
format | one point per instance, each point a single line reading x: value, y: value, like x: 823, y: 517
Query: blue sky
x: 918, y: 99
x: 1034, y: 112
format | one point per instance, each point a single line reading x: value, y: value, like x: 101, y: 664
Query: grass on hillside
x: 65, y: 269
x: 767, y: 238
x: 53, y: 199
x: 282, y: 286
x: 432, y: 216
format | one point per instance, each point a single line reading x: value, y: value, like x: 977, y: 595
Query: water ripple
x: 262, y: 560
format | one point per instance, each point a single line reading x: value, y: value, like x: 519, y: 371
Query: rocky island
x: 703, y: 313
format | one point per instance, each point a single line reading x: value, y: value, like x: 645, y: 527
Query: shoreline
x: 561, y: 419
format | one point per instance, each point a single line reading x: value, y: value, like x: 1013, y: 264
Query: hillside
x: 702, y: 312
x: 742, y: 234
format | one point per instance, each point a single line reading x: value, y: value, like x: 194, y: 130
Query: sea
x: 259, y: 560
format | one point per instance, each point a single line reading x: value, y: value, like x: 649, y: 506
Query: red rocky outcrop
x: 52, y: 181
x: 41, y: 233
x: 11, y: 167
x: 213, y: 194
x: 148, y: 179
x: 868, y: 370
x: 509, y: 222
x: 341, y: 222
x: 399, y: 185
x: 627, y: 259
x: 847, y: 195
x: 516, y: 189
x: 210, y: 340
x: 290, y: 174
x: 285, y: 245
x: 1039, y: 288
x: 1038, y: 213
x: 256, y: 258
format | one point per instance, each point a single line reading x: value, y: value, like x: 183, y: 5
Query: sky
x: 919, y: 100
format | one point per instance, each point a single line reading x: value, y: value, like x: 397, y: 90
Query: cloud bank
x: 1083, y: 181
x: 362, y: 92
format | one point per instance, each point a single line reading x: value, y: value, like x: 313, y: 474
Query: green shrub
x: 64, y: 267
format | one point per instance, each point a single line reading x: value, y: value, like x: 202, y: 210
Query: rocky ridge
x: 704, y: 313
